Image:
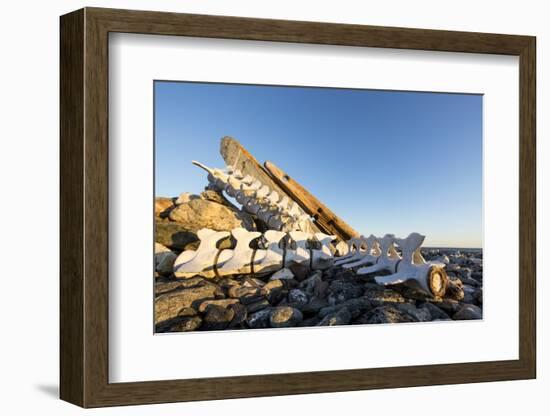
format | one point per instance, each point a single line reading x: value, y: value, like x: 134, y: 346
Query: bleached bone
x: 413, y: 269
x: 298, y: 252
x: 342, y: 248
x: 369, y: 257
x: 191, y: 263
x: 322, y: 258
x: 388, y: 259
x: 270, y: 259
x: 364, y: 249
x: 259, y: 199
x: 239, y: 259
x: 355, y: 247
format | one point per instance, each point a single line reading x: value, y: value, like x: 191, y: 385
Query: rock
x: 176, y: 236
x: 342, y: 317
x: 256, y: 306
x: 454, y: 289
x: 250, y: 299
x: 243, y: 291
x: 163, y: 286
x: 418, y: 314
x: 478, y: 297
x: 468, y: 312
x: 240, y: 315
x: 184, y: 198
x: 162, y: 205
x: 297, y: 296
x: 385, y: 315
x: 300, y: 271
x: 215, y: 196
x: 186, y: 324
x: 435, y: 312
x: 356, y: 307
x: 449, y: 306
x: 285, y: 316
x: 313, y: 307
x: 217, y: 318
x: 380, y: 296
x: 343, y: 290
x: 274, y: 291
x: 282, y: 274
x: 224, y: 303
x: 199, y: 213
x: 169, y: 305
x: 314, y: 285
x: 164, y: 260
x: 259, y: 319
x: 313, y: 321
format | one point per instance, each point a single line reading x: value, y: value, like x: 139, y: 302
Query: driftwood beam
x: 324, y: 218
x: 236, y: 156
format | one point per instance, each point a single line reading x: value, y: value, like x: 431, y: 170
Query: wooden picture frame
x: 84, y: 207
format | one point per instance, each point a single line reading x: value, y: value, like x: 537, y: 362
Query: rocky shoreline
x: 290, y: 298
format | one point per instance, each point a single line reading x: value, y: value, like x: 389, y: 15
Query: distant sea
x: 463, y: 249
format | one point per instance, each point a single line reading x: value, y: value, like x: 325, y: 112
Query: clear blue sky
x: 385, y: 161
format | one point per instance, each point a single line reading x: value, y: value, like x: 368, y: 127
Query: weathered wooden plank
x: 324, y: 218
x: 236, y: 156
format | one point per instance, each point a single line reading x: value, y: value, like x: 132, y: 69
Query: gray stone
x: 259, y: 319
x: 186, y: 324
x: 468, y: 312
x: 385, y: 315
x: 217, y: 318
x: 240, y: 315
x: 341, y: 317
x: 283, y: 274
x: 256, y: 306
x: 314, y: 285
x: 285, y: 316
x: 165, y: 286
x: 297, y: 296
x: 418, y: 314
x: 381, y: 296
x: 435, y: 312
x: 169, y: 305
x: 164, y: 260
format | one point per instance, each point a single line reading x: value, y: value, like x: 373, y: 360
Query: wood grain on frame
x: 84, y: 207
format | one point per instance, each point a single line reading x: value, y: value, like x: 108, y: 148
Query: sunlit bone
x: 364, y: 249
x: 270, y: 259
x: 259, y: 199
x: 355, y: 247
x: 241, y: 256
x: 298, y: 253
x: 370, y: 256
x: 430, y: 277
x: 191, y: 263
x: 322, y: 258
x: 388, y: 259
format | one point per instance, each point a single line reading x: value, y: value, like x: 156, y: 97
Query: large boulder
x: 199, y: 213
x: 175, y: 236
x: 162, y: 205
x: 170, y: 305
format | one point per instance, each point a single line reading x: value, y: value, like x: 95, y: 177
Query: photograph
x: 283, y: 206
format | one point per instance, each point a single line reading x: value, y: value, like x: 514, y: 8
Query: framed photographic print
x: 255, y: 207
